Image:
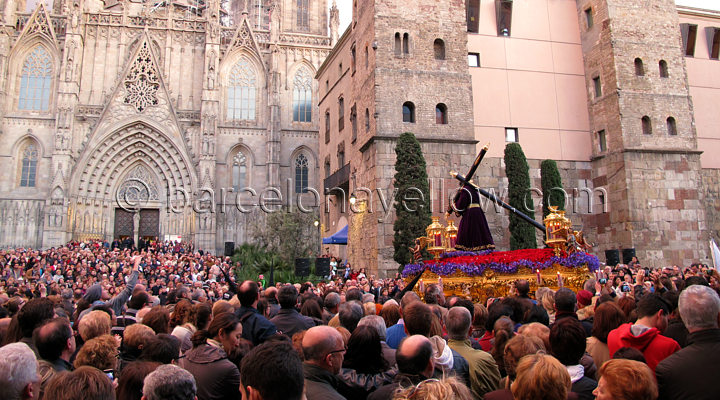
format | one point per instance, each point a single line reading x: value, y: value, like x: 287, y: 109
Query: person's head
x: 84, y: 383
x: 55, y: 340
x: 202, y: 314
x: 158, y: 318
x: 19, y: 378
x: 584, y: 298
x: 608, y: 316
x: 548, y: 300
x: 537, y: 330
x: 699, y: 308
x: 350, y: 314
x: 626, y: 380
x: 225, y: 328
x: 390, y: 313
x: 181, y: 313
x: 130, y: 383
x: 364, y: 353
x: 169, y: 382
x: 434, y: 295
x: 95, y: 323
x: 414, y: 356
x: 100, y: 352
x: 136, y: 335
x: 376, y: 322
x: 417, y: 317
x: 270, y: 294
x: 272, y: 371
x: 446, y: 388
x: 139, y: 300
x: 565, y: 300
x: 287, y: 297
x: 523, y: 287
x: 654, y: 311
x: 407, y: 299
x: 517, y: 348
x: 163, y: 348
x: 458, y: 322
x: 540, y: 377
x: 324, y: 347
x: 480, y: 316
x: 248, y: 293
x: 629, y: 353
x: 567, y: 341
x: 332, y: 301
x: 221, y: 306
x: 353, y: 294
x: 33, y: 314
x: 311, y: 308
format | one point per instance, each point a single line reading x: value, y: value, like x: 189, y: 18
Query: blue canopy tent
x: 339, y: 237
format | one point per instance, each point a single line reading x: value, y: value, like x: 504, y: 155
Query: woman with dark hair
x: 502, y: 333
x: 627, y: 305
x: 608, y: 316
x: 216, y: 376
x: 130, y: 383
x: 311, y: 308
x: 390, y: 313
x: 182, y: 324
x: 158, y: 318
x: 364, y: 364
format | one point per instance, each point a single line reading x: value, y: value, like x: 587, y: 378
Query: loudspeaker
x: 229, y: 249
x: 322, y: 266
x: 612, y: 257
x: 628, y: 254
x: 302, y: 267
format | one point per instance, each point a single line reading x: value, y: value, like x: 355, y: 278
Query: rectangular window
x: 503, y: 16
x: 327, y: 127
x: 340, y: 71
x: 713, y: 38
x: 341, y: 159
x: 589, y: 17
x: 474, y: 59
x: 473, y: 15
x: 303, y: 16
x: 689, y: 36
x: 602, y: 141
x: 341, y: 114
x: 353, y: 122
x: 352, y: 59
x: 511, y: 135
x: 597, y: 86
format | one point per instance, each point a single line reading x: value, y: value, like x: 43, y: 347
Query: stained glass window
x: 301, y: 174
x: 239, y: 171
x: 29, y: 166
x: 35, y: 81
x: 302, y: 96
x: 241, y: 91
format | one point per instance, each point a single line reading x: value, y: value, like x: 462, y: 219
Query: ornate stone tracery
x: 139, y: 185
x: 142, y: 81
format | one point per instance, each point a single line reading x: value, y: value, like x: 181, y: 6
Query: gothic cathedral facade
x: 168, y: 120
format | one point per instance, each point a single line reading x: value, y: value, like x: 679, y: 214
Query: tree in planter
x: 411, y: 182
x: 289, y: 234
x: 522, y: 234
x: 553, y: 195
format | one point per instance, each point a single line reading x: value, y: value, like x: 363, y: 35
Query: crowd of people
x: 103, y: 321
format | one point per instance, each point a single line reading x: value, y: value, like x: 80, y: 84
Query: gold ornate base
x: 492, y: 284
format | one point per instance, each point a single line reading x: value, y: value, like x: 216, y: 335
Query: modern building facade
x: 170, y: 120
x: 622, y: 94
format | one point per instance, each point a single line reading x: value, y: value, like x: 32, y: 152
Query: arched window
x: 441, y: 114
x: 671, y: 126
x: 239, y: 171
x: 439, y: 49
x: 406, y: 43
x: 29, y: 165
x: 303, y: 15
x: 639, y: 68
x: 408, y: 112
x: 301, y: 174
x: 646, y: 125
x: 663, y: 69
x: 35, y: 81
x: 259, y: 15
x: 398, y: 44
x: 302, y: 96
x: 241, y: 91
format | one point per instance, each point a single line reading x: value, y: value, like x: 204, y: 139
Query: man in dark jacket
x: 272, y: 370
x: 256, y: 328
x: 55, y: 343
x: 288, y: 320
x: 692, y: 372
x: 565, y: 305
x: 324, y: 352
x: 567, y: 343
x: 415, y: 364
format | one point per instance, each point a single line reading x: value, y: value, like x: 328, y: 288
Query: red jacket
x: 654, y: 346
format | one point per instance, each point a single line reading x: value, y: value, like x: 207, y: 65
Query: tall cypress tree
x: 522, y: 234
x: 411, y: 181
x: 553, y: 195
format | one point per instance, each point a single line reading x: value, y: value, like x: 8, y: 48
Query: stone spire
x: 334, y: 23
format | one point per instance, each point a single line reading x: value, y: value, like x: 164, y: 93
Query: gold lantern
x: 557, y: 229
x: 451, y: 232
x: 435, y: 237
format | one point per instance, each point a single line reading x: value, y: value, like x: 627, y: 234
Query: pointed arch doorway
x: 137, y: 215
